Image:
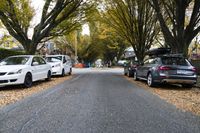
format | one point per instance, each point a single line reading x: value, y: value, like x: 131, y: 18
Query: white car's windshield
x: 15, y: 61
x: 54, y: 59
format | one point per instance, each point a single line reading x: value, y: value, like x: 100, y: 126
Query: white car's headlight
x: 57, y: 65
x: 16, y: 72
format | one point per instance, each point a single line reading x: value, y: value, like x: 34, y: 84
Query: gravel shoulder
x: 183, y: 98
x: 12, y: 94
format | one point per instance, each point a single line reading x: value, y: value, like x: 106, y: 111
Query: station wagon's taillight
x: 164, y: 68
x: 194, y: 69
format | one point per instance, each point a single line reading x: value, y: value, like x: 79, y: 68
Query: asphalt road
x: 96, y: 101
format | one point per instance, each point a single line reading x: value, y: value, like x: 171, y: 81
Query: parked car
x: 167, y: 68
x: 23, y: 69
x: 130, y: 67
x: 61, y: 64
x: 121, y: 62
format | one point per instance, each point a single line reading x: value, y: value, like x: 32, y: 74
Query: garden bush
x: 6, y: 52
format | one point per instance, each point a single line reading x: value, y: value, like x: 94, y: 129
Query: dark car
x: 130, y: 67
x: 169, y: 68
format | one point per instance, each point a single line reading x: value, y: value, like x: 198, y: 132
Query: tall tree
x: 135, y: 21
x: 179, y: 21
x: 58, y: 17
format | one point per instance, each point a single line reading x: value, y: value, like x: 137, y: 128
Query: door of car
x: 144, y: 69
x: 64, y: 61
x: 35, y: 69
x: 141, y: 70
x: 67, y: 62
x: 43, y: 67
x: 150, y: 66
x: 39, y: 68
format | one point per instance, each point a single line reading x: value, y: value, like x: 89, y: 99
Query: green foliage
x: 19, y: 11
x: 88, y: 51
x: 5, y: 53
x: 58, y: 17
x: 103, y: 41
x: 179, y: 21
x: 135, y: 21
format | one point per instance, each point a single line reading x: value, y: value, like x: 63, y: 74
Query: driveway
x: 96, y: 101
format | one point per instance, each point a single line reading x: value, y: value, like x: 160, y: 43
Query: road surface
x: 96, y: 101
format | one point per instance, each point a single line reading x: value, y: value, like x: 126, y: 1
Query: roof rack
x: 158, y: 51
x: 174, y: 55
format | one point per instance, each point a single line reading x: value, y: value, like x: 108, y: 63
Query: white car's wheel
x: 63, y: 73
x: 70, y: 71
x: 28, y: 80
x: 48, y: 76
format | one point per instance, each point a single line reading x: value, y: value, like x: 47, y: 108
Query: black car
x: 167, y: 68
x: 130, y: 67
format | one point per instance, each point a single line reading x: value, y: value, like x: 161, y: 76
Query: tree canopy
x: 58, y: 17
x: 179, y: 21
x: 135, y: 21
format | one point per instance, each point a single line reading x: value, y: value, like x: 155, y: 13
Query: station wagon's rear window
x: 174, y: 61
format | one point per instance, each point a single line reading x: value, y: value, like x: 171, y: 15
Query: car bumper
x: 56, y: 71
x: 12, y: 79
x: 178, y: 79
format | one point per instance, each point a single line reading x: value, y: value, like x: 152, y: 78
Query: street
x: 96, y: 101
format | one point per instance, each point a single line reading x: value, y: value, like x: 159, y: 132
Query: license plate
x: 183, y: 72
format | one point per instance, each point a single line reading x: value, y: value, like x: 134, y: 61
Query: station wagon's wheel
x: 135, y: 76
x: 70, y: 71
x: 48, y: 76
x: 63, y: 73
x: 28, y: 80
x: 150, y: 80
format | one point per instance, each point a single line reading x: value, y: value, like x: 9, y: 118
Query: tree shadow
x: 165, y: 86
x: 21, y: 87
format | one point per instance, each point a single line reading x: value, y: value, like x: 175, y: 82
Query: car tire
x: 63, y: 73
x: 150, y: 82
x: 48, y: 76
x: 125, y: 74
x: 28, y: 80
x: 187, y: 85
x: 135, y: 76
x: 70, y: 72
x: 129, y: 74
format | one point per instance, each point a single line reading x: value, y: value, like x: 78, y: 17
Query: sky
x: 38, y: 4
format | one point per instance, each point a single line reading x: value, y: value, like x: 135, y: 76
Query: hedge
x: 6, y: 52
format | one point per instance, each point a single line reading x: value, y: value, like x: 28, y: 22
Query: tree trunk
x: 31, y: 48
x: 179, y: 46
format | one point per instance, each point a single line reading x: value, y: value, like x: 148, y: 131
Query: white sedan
x: 23, y: 69
x: 61, y: 64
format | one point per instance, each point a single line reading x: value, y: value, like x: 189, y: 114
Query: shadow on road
x: 21, y: 87
x: 163, y: 86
